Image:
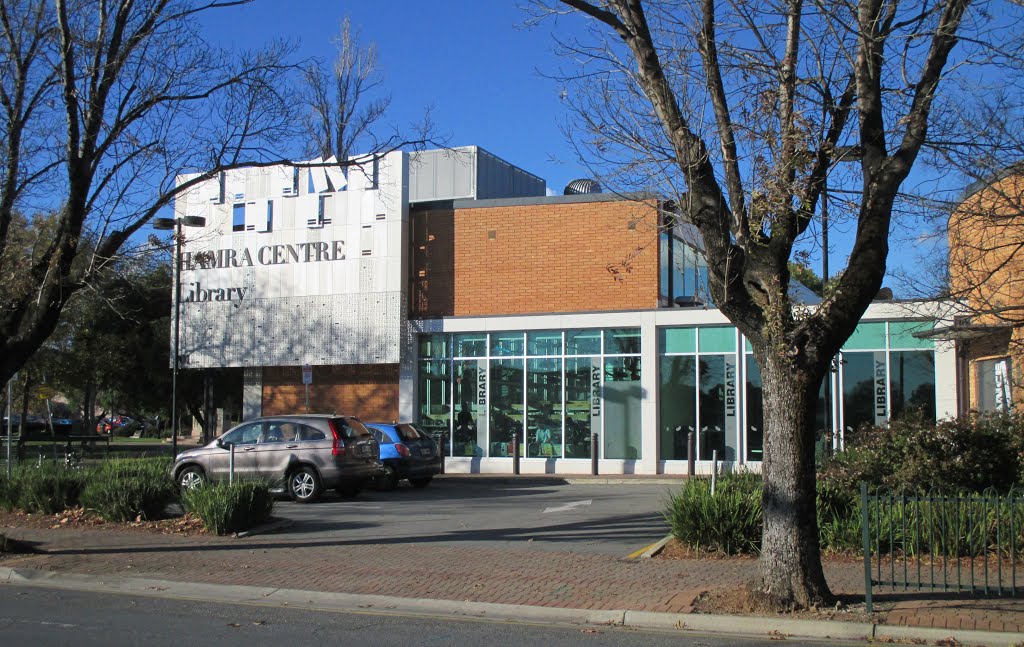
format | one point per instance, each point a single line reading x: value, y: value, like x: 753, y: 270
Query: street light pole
x: 178, y: 235
x: 177, y: 225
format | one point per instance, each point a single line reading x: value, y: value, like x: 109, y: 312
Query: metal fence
x: 931, y: 541
x: 67, y: 450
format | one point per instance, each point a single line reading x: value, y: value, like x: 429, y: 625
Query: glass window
x: 270, y: 215
x: 309, y: 433
x: 323, y: 213
x: 238, y: 217
x: 912, y: 383
x: 506, y: 405
x: 583, y: 404
x: 408, y: 432
x: 507, y: 344
x: 435, y: 399
x: 622, y: 341
x: 469, y: 436
x: 284, y: 432
x: 993, y: 385
x: 583, y: 342
x: 717, y: 339
x: 867, y: 336
x: 246, y: 435
x: 712, y: 406
x: 864, y: 391
x: 470, y: 345
x: 678, y: 340
x: 544, y: 408
x: 755, y: 412
x: 432, y: 346
x: 622, y: 397
x: 901, y: 334
x: 677, y: 398
x: 547, y: 342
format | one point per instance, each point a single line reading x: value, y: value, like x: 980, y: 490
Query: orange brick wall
x: 368, y: 392
x: 986, y: 268
x: 526, y: 259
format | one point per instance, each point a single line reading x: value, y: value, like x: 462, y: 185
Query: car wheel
x: 191, y: 477
x: 389, y: 480
x: 421, y: 482
x: 304, y: 485
x: 350, y: 491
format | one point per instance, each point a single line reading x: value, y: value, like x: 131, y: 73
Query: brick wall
x: 368, y: 392
x: 986, y: 268
x: 524, y: 259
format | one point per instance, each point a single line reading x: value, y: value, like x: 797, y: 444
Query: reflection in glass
x: 622, y: 396
x: 433, y: 346
x: 622, y: 341
x: 712, y: 406
x: 859, y: 398
x: 755, y: 412
x: 435, y: 403
x: 545, y: 342
x: 677, y: 397
x: 582, y: 383
x: 583, y: 342
x: 544, y: 408
x: 507, y: 344
x: 470, y: 345
x: 506, y: 420
x: 912, y: 385
x: 469, y: 393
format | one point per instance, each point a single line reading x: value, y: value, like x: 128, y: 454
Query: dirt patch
x: 740, y: 601
x: 82, y: 519
x: 675, y: 549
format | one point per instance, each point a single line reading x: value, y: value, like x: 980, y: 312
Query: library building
x: 446, y: 288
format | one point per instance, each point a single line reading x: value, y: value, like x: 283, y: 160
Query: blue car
x: 407, y: 453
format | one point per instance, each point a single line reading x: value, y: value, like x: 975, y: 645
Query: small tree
x: 739, y: 112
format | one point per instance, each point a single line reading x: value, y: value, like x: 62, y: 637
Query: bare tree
x: 342, y: 111
x: 102, y: 104
x: 739, y: 112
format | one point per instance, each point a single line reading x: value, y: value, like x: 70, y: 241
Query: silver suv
x: 307, y: 453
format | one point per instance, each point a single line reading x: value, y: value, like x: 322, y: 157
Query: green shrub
x: 153, y: 469
x: 48, y: 489
x: 972, y: 452
x: 8, y: 494
x: 729, y: 521
x: 125, y: 498
x: 225, y: 509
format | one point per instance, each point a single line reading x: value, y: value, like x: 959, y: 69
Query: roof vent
x: 578, y: 187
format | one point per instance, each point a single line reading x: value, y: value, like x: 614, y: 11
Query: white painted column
x: 649, y: 385
x: 945, y: 379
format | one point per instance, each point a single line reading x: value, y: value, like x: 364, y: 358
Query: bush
x: 127, y: 498
x: 154, y: 468
x: 48, y: 489
x: 729, y: 521
x: 972, y: 452
x: 225, y: 509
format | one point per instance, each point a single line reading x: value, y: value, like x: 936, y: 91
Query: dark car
x: 305, y: 453
x: 407, y: 453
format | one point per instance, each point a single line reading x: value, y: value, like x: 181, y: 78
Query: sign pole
x: 307, y: 379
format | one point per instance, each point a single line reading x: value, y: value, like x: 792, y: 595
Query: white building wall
x: 313, y: 290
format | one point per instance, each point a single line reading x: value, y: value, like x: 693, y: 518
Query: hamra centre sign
x: 270, y: 256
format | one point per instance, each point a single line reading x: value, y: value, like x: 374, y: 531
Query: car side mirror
x: 224, y: 445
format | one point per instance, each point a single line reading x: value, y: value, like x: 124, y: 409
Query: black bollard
x: 593, y: 454
x: 515, y: 455
x: 691, y: 448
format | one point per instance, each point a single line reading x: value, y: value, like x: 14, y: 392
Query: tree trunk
x: 790, y: 566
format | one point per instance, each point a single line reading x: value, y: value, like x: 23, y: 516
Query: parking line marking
x: 567, y: 507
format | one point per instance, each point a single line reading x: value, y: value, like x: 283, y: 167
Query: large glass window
x: 712, y: 407
x: 583, y: 342
x: 583, y: 403
x: 622, y: 397
x: 677, y: 397
x: 469, y: 436
x: 864, y: 391
x: 507, y: 344
x: 912, y: 383
x: 622, y: 341
x: 992, y: 377
x: 435, y: 398
x: 755, y: 411
x: 506, y: 405
x: 470, y: 345
x: 544, y: 408
x: 546, y: 342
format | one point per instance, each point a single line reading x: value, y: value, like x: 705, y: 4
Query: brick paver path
x: 454, y: 572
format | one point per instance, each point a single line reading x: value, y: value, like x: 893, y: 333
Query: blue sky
x: 478, y: 68
x: 467, y: 59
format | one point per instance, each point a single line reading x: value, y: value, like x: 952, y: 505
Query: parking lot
x: 527, y: 513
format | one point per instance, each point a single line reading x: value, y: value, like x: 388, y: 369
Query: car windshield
x: 408, y: 432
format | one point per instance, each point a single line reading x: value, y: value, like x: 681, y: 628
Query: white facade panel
x: 300, y: 293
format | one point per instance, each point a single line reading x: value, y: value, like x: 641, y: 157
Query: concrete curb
x: 656, y: 548
x: 379, y: 604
